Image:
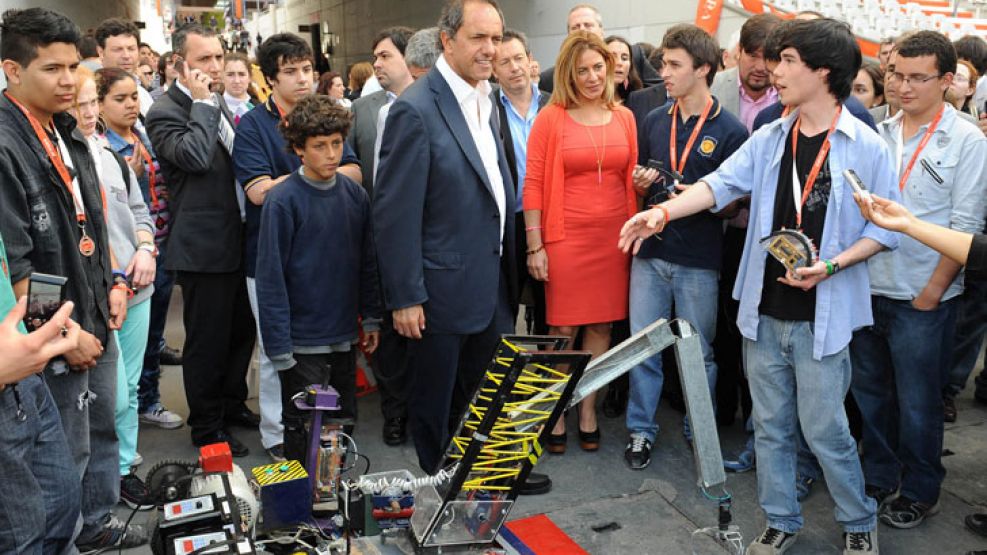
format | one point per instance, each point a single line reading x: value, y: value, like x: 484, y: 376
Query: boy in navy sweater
x: 316, y: 270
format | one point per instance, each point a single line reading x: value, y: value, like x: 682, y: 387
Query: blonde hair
x: 566, y: 94
x: 82, y: 74
x: 359, y: 74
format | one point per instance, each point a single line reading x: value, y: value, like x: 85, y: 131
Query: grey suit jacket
x: 726, y: 89
x: 363, y: 133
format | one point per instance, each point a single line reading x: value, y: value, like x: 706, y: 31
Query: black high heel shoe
x: 590, y: 441
x: 556, y: 443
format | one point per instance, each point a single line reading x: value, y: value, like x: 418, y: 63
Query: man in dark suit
x: 444, y: 222
x: 394, y: 76
x: 517, y: 102
x: 192, y: 132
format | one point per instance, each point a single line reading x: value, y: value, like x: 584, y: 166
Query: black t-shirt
x: 777, y: 299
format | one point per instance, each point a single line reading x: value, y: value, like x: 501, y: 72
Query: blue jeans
x: 86, y: 404
x: 897, y: 382
x: 790, y: 388
x: 132, y: 342
x: 148, y: 392
x: 657, y: 286
x: 39, y: 492
x: 971, y: 326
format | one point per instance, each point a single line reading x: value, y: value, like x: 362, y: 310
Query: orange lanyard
x: 918, y: 150
x: 816, y: 166
x: 276, y: 107
x: 672, y: 150
x: 151, y: 173
x: 54, y: 155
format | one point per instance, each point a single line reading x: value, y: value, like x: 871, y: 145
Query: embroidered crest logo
x: 707, y: 146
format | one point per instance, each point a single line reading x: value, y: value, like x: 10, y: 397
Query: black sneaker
x: 114, y: 535
x: 859, y: 543
x: 771, y: 542
x: 276, y: 453
x: 133, y: 492
x: 905, y: 513
x: 638, y: 452
x: 882, y: 496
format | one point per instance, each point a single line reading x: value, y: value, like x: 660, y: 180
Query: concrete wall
x: 355, y: 22
x: 85, y: 13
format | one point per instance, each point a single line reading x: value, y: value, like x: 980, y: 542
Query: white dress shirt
x: 477, y: 107
x: 381, y: 123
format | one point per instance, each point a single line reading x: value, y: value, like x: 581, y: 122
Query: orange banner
x: 708, y: 15
x: 238, y: 10
x: 158, y: 5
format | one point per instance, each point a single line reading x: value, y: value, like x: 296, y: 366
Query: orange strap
x: 672, y: 151
x: 921, y: 145
x: 816, y: 166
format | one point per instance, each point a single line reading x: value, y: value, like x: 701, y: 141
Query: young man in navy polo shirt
x: 690, y: 136
x: 262, y: 161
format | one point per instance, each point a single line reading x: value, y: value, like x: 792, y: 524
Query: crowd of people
x: 414, y: 209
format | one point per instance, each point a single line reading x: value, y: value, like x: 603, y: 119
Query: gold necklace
x: 596, y: 151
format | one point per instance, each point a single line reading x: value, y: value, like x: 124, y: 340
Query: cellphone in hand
x: 856, y: 184
x: 45, y: 294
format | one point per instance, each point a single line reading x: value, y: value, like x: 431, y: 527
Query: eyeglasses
x: 912, y: 79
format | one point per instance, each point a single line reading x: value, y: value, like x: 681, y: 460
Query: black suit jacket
x: 436, y: 222
x: 505, y: 132
x: 206, y: 231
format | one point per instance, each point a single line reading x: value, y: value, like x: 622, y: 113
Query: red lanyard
x: 816, y: 166
x: 672, y: 151
x: 918, y: 150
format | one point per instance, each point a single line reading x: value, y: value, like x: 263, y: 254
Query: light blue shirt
x: 956, y: 154
x: 520, y: 127
x: 842, y: 301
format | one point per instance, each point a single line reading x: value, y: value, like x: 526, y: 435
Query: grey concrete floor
x: 654, y: 511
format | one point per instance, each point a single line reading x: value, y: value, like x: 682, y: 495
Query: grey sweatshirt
x: 126, y: 212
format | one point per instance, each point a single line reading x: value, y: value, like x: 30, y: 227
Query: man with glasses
x: 898, y: 362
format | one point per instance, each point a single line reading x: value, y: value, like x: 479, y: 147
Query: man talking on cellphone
x: 192, y: 132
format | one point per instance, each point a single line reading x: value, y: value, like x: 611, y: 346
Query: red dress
x: 588, y: 276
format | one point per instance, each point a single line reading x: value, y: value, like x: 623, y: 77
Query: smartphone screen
x: 44, y: 297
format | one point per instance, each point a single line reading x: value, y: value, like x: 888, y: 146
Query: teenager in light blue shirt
x: 797, y: 327
x: 899, y: 363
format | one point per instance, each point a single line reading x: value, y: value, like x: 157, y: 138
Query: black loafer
x: 395, y: 431
x: 237, y: 448
x: 536, y: 484
x: 170, y: 356
x: 556, y: 443
x: 242, y: 417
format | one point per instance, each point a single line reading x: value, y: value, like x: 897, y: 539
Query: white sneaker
x: 138, y: 460
x: 860, y: 543
x: 771, y: 542
x: 161, y: 417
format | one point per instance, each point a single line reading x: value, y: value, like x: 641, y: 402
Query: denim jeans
x: 148, y: 392
x: 789, y: 388
x: 86, y: 403
x: 271, y: 428
x: 897, y: 381
x: 657, y: 286
x: 971, y: 326
x: 39, y: 492
x: 132, y: 342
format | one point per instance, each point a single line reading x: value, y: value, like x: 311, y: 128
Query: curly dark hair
x: 314, y: 116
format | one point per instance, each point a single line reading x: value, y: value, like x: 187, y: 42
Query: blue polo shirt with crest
x: 695, y: 241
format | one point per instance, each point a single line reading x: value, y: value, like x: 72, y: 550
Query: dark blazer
x: 505, y: 130
x: 363, y: 134
x: 206, y: 231
x: 436, y: 223
x: 642, y: 101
